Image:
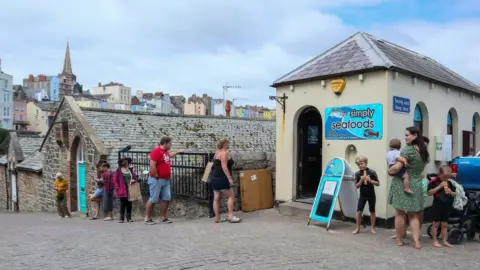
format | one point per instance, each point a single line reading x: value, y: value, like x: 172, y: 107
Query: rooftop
x: 363, y: 52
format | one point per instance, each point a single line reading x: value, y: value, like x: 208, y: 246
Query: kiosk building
x: 357, y: 96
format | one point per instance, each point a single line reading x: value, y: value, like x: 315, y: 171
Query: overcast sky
x: 188, y: 46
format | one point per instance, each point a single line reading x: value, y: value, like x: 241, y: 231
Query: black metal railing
x: 187, y: 172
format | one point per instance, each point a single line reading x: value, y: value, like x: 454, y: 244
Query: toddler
x: 444, y: 193
x: 393, y: 155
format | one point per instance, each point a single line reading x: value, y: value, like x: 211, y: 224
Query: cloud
x: 186, y: 46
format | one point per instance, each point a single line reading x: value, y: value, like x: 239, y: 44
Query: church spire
x: 67, y: 64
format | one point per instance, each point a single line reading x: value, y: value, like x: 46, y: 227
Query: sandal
x: 223, y: 219
x: 93, y: 218
x: 234, y: 219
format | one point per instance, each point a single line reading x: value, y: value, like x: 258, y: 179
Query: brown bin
x: 256, y: 190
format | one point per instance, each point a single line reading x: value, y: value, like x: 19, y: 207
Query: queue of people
x: 111, y: 185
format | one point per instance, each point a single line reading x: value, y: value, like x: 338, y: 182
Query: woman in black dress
x: 222, y: 181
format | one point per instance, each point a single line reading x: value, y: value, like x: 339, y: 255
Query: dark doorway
x: 309, y: 145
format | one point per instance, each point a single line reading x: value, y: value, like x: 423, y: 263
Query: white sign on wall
x: 443, y: 148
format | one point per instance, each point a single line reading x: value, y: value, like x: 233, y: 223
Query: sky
x: 193, y: 47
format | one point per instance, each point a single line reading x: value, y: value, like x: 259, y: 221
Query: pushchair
x: 464, y: 222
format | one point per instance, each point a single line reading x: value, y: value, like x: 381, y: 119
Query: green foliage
x: 4, y: 140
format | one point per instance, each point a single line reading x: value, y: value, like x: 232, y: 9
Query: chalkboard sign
x: 336, y: 172
x: 326, y: 199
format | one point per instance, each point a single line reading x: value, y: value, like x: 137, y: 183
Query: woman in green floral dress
x: 404, y: 203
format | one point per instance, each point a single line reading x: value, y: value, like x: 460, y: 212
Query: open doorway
x: 309, y: 152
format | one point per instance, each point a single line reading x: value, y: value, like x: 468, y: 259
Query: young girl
x: 444, y: 193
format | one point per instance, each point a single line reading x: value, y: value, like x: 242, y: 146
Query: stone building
x: 21, y: 175
x: 82, y: 138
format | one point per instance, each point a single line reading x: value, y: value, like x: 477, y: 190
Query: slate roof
x: 142, y: 131
x: 32, y: 163
x: 29, y: 144
x: 363, y: 52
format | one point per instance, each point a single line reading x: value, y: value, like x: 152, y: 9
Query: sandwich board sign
x: 337, y: 182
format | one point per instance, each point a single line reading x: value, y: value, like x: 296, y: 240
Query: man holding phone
x: 159, y: 180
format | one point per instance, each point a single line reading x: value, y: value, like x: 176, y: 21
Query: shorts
x: 220, y: 183
x: 401, y: 173
x: 441, y: 211
x: 107, y: 201
x: 371, y: 204
x: 98, y: 193
x: 160, y: 189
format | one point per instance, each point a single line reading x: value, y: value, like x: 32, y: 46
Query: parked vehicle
x: 466, y: 171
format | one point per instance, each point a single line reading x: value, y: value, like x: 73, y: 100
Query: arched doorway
x: 81, y: 178
x: 309, y: 152
x: 420, y: 118
x: 476, y: 131
x: 452, y: 129
x: 78, y: 183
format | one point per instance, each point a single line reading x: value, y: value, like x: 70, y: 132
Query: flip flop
x: 223, y: 219
x: 234, y: 219
x: 93, y: 218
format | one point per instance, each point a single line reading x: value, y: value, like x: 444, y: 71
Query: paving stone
x: 264, y: 240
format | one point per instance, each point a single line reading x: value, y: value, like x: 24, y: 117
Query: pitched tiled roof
x: 143, y: 131
x: 29, y: 144
x: 364, y: 52
x: 32, y: 162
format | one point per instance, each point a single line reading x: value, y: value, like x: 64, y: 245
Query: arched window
x: 474, y: 139
x: 449, y: 124
x: 418, y: 118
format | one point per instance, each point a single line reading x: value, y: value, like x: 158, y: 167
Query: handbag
x: 60, y: 197
x: 134, y: 193
x: 207, y: 172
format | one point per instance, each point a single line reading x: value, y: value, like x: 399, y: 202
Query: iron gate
x: 187, y: 172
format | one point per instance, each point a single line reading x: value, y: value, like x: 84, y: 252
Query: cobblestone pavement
x: 264, y: 240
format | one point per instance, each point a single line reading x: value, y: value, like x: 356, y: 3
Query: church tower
x: 68, y: 80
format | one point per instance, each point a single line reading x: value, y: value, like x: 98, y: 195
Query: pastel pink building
x: 20, y: 121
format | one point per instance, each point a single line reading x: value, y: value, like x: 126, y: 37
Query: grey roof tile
x: 143, y: 131
x: 32, y: 162
x: 29, y: 144
x: 363, y: 51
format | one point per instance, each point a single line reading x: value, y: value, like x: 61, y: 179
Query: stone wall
x: 3, y: 188
x: 60, y: 152
x: 35, y: 194
x: 104, y: 133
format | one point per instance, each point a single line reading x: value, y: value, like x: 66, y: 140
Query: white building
x: 163, y: 104
x: 120, y: 94
x: 6, y: 99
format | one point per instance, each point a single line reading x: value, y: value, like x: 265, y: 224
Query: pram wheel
x: 429, y: 231
x: 455, y: 236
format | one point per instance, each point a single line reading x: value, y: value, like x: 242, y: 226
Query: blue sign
x: 355, y: 122
x: 401, y: 105
x: 328, y: 191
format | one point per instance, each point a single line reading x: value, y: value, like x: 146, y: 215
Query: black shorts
x: 441, y: 211
x: 363, y: 200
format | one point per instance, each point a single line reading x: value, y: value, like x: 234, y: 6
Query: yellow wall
x: 377, y: 87
x: 438, y: 101
x: 194, y: 108
x: 371, y: 90
x: 38, y: 119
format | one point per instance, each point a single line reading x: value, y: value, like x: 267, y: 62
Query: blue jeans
x: 160, y: 189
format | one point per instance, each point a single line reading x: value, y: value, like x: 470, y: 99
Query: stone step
x: 295, y: 209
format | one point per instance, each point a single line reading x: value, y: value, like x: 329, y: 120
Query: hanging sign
x: 337, y: 182
x: 355, y: 122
